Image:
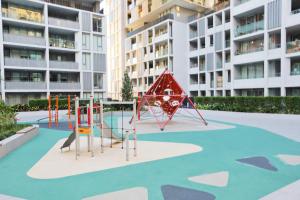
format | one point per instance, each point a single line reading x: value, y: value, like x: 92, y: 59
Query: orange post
x: 69, y: 107
x: 56, y: 111
x: 49, y: 112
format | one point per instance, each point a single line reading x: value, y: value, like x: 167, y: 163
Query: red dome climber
x: 166, y: 94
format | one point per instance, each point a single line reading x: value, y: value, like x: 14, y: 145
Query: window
x: 97, y: 25
x: 211, y: 40
x: 85, y: 41
x: 98, y: 81
x: 86, y: 61
x: 98, y: 43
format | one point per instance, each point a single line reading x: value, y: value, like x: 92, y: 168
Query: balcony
x: 61, y: 43
x: 219, y: 65
x: 63, y: 23
x: 20, y: 62
x: 55, y: 64
x: 22, y: 39
x: 249, y: 28
x: 221, y: 5
x: 294, y: 12
x: 161, y: 53
x: 248, y: 50
x: 26, y: 15
x: 64, y: 86
x: 295, y: 70
x: 25, y: 85
x: 293, y: 46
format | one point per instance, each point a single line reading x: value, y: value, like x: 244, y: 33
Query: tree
x: 127, y: 88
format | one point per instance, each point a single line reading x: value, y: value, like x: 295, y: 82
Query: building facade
x: 156, y: 39
x: 115, y: 10
x: 247, y: 48
x: 51, y: 47
x: 215, y: 48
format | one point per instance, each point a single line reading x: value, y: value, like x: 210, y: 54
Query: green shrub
x: 8, y: 124
x: 42, y: 104
x: 288, y: 105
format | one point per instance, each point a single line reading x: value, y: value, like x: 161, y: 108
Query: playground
x: 153, y: 148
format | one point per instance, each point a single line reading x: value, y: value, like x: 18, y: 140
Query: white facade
x: 255, y: 50
x: 115, y: 10
x: 51, y: 49
x: 159, y: 44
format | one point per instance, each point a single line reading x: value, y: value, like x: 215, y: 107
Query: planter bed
x: 13, y: 142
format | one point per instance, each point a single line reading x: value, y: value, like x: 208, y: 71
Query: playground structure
x: 100, y: 115
x: 54, y: 113
x: 86, y: 127
x: 164, y: 99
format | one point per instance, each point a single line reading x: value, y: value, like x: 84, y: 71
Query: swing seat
x: 84, y: 130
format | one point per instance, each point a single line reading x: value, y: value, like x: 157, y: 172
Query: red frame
x: 165, y: 82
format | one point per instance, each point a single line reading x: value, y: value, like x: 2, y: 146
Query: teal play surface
x: 221, y: 148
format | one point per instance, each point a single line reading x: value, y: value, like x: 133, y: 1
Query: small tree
x: 127, y: 88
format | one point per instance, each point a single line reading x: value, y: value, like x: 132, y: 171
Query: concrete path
x: 284, y: 125
x: 37, y: 115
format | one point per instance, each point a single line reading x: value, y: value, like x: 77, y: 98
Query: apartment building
x: 246, y: 48
x: 156, y: 39
x: 51, y: 47
x: 115, y: 10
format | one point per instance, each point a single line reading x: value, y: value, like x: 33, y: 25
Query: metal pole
x: 101, y: 125
x: 76, y: 128
x: 92, y: 125
x: 56, y: 111
x: 127, y: 145
x: 134, y: 128
x: 69, y: 107
x: 49, y: 112
x: 89, y: 125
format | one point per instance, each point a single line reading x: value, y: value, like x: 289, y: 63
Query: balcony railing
x: 273, y: 75
x: 23, y: 39
x: 61, y: 43
x: 165, y: 17
x: 21, y: 62
x: 55, y: 64
x: 161, y: 53
x: 193, y: 34
x: 295, y: 69
x: 241, y: 2
x: 240, y: 77
x: 293, y: 46
x: 63, y: 23
x: 64, y: 86
x: 193, y: 65
x: 202, y: 67
x: 250, y: 50
x: 249, y: 28
x: 297, y: 11
x: 219, y: 65
x: 25, y: 85
x: 227, y: 43
x: 15, y: 15
x: 274, y: 45
x: 193, y: 82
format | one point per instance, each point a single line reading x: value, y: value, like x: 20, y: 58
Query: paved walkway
x: 284, y: 125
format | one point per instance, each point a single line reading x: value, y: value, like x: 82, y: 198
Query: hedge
x: 42, y: 104
x: 286, y: 105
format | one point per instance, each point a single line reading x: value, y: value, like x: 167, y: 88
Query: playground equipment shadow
x: 221, y: 149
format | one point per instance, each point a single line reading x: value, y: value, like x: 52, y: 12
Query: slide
x: 69, y: 141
